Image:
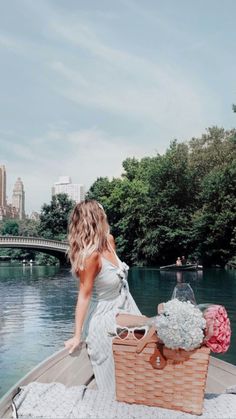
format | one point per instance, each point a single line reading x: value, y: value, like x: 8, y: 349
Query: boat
x: 76, y: 370
x: 187, y: 267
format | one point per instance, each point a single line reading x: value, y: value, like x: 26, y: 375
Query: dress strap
x: 114, y: 252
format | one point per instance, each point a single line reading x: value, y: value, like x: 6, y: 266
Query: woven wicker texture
x: 179, y: 385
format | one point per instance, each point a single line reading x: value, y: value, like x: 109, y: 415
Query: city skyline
x: 85, y: 85
x: 16, y: 208
x: 76, y: 192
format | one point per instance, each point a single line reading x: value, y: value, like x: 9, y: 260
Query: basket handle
x: 143, y: 342
x: 157, y: 360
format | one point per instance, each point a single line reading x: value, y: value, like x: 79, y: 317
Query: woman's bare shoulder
x: 92, y: 264
x: 111, y: 240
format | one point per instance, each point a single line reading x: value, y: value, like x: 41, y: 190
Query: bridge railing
x: 34, y: 241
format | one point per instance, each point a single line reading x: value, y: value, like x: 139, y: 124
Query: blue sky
x: 85, y: 84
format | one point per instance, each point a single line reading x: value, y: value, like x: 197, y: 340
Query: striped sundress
x: 110, y: 296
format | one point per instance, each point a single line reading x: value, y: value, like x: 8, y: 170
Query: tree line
x: 180, y: 203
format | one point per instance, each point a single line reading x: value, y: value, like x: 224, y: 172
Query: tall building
x: 18, y: 198
x: 3, y: 183
x: 75, y: 191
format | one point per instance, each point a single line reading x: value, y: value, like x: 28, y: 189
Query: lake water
x: 37, y: 309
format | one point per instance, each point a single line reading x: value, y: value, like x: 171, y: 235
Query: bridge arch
x: 52, y: 247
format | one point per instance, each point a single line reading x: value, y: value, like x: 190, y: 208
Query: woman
x: 103, y: 289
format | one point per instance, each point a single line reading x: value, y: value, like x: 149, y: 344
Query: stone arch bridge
x: 52, y: 247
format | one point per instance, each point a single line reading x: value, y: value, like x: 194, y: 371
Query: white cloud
x: 129, y: 85
x: 93, y: 73
x: 176, y: 108
x: 94, y: 153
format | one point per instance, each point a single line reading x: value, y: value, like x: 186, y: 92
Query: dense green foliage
x: 54, y: 218
x: 10, y: 227
x: 24, y: 227
x: 179, y: 203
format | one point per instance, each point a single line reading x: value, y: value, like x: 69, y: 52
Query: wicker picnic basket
x: 149, y: 373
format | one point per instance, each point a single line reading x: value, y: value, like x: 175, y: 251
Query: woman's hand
x: 72, y: 344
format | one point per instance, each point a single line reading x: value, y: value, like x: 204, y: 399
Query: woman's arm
x: 87, y: 276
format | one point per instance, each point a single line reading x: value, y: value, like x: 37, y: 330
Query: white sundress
x: 110, y: 296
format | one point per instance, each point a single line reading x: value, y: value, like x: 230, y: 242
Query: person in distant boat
x: 178, y: 261
x: 103, y: 288
x: 179, y: 277
x: 183, y: 260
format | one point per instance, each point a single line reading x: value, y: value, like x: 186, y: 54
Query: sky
x: 85, y: 84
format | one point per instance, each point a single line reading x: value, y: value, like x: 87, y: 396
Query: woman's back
x: 107, y: 282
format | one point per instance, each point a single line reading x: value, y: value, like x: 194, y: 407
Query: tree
x: 107, y: 193
x: 122, y: 200
x: 215, y: 149
x: 215, y: 222
x: 131, y: 166
x: 170, y: 204
x: 11, y: 228
x: 100, y: 189
x: 55, y: 216
x: 28, y: 228
x: 181, y: 202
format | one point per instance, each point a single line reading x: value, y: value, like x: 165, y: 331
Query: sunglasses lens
x: 139, y: 333
x: 122, y: 333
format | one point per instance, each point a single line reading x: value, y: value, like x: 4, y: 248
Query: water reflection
x: 182, y: 276
x: 179, y: 277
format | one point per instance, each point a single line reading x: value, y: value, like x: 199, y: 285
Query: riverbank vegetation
x: 180, y: 203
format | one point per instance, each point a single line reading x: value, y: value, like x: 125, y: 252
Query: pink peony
x: 218, y: 331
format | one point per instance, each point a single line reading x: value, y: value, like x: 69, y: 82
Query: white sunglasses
x: 138, y: 332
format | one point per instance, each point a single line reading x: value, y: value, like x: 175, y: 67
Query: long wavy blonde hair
x: 88, y: 232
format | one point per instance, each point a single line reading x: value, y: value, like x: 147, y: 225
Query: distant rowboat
x: 187, y: 267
